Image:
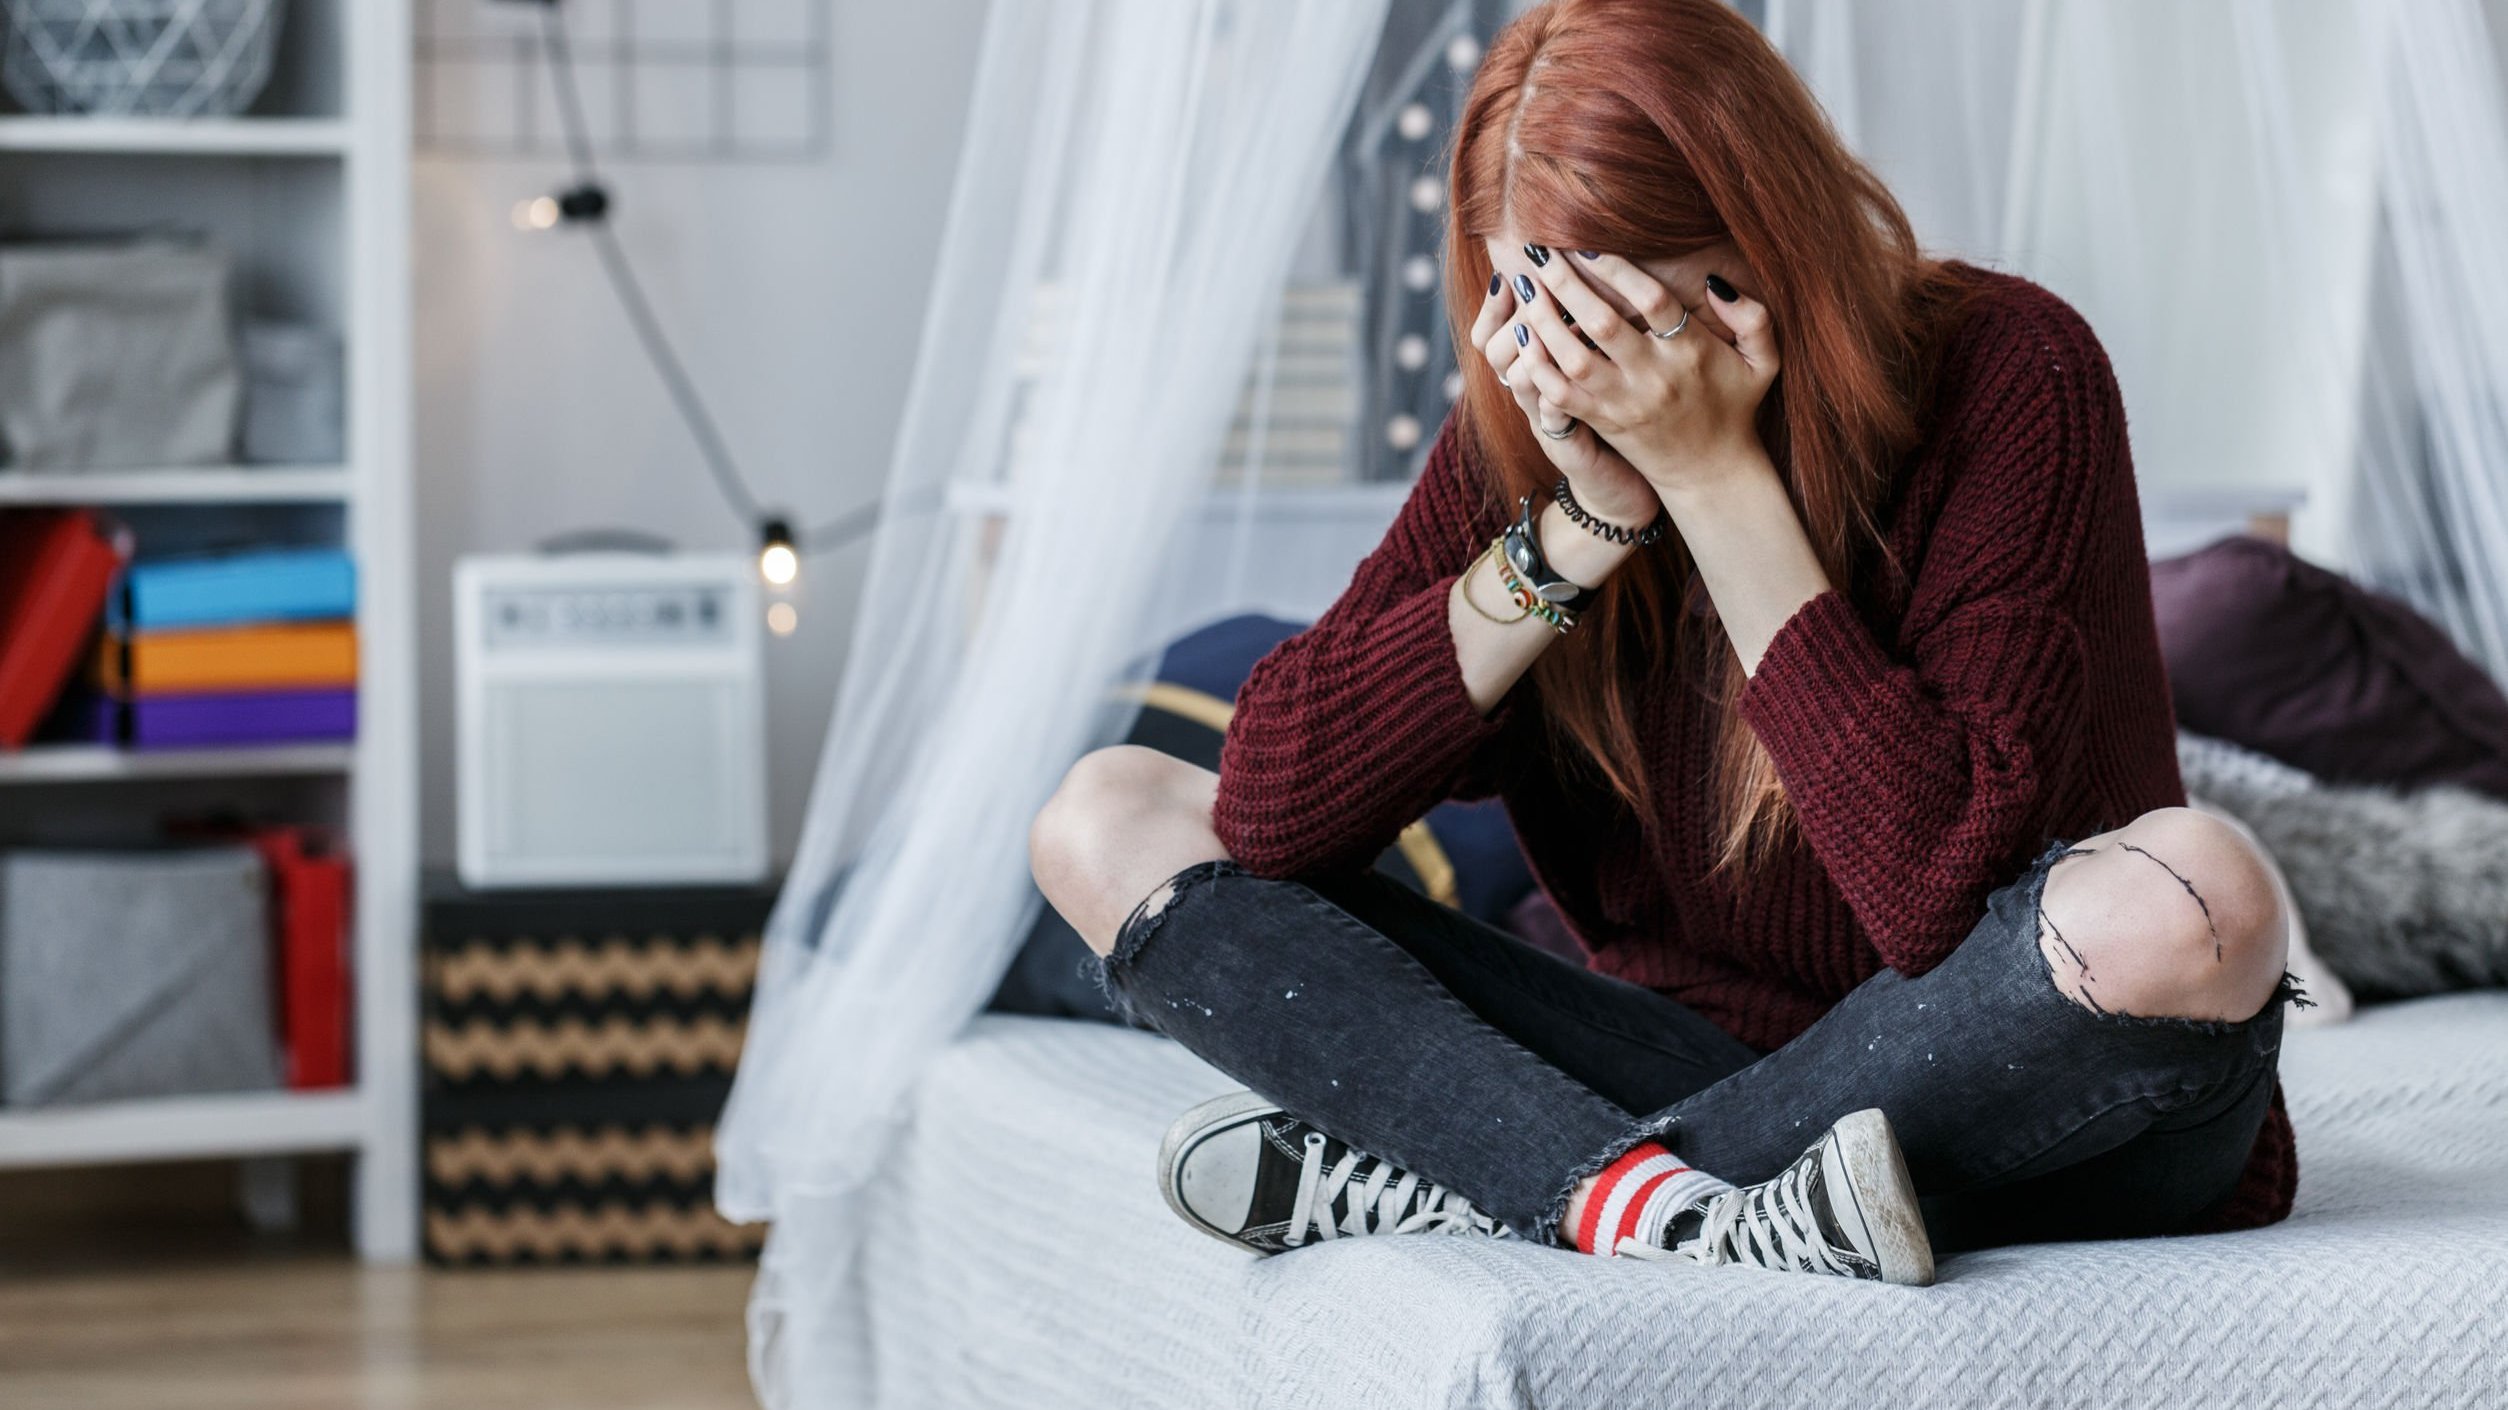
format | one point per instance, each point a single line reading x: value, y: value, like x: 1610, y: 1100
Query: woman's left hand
x: 1682, y: 410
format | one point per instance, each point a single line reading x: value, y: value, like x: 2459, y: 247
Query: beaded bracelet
x: 1533, y: 603
x: 1490, y: 552
x: 1578, y: 515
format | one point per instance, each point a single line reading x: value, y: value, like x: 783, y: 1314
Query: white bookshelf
x: 230, y: 137
x: 310, y: 194
x: 239, y: 484
x: 186, y: 1128
x: 77, y: 763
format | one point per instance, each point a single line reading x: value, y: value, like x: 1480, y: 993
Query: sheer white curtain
x: 2121, y: 153
x: 2431, y: 515
x: 1132, y: 184
x: 2283, y: 217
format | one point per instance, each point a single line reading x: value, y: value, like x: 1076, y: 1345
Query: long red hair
x: 1654, y: 129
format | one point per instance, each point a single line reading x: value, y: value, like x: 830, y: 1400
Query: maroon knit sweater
x: 1932, y: 739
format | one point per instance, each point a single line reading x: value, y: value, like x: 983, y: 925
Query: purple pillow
x: 2269, y: 651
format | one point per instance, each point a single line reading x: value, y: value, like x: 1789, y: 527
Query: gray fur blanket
x: 2403, y: 893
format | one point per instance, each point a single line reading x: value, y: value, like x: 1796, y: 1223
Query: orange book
x: 292, y: 656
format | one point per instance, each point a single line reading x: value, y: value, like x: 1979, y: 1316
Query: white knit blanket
x: 1020, y: 1256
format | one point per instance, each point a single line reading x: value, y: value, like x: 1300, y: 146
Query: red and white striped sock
x: 1637, y: 1195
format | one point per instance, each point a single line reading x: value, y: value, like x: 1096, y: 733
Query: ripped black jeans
x: 1458, y: 1051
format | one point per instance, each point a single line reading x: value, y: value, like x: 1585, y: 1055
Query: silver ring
x: 1677, y: 327
x: 1558, y: 435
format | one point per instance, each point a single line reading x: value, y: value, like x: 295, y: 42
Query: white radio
x: 611, y: 720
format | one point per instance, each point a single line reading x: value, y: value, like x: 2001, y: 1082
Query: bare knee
x: 1123, y: 819
x: 2172, y: 915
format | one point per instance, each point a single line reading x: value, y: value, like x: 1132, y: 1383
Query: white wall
x: 795, y: 293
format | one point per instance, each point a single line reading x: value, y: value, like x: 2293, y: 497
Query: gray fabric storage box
x: 134, y: 974
x: 116, y: 356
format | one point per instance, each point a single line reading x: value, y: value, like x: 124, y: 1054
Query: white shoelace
x: 1379, y: 1201
x: 1765, y: 1226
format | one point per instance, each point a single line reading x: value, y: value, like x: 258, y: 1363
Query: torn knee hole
x: 2066, y: 965
x: 1147, y: 916
x: 2131, y: 932
x: 2211, y: 927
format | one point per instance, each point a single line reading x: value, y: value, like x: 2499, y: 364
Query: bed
x: 1019, y: 1255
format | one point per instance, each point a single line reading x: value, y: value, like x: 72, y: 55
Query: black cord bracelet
x: 1617, y: 533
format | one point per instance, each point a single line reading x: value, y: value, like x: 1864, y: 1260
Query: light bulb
x: 778, y: 561
x: 778, y: 564
x: 538, y: 213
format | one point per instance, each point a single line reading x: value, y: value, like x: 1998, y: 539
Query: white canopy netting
x: 1182, y: 355
x: 2281, y: 216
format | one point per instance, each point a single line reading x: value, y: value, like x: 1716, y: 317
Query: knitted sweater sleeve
x: 1923, y: 768
x: 1346, y: 732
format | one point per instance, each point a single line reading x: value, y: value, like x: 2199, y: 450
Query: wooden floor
x: 276, y: 1334
x: 141, y: 1288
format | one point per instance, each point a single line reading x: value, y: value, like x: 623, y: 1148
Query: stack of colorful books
x: 247, y: 648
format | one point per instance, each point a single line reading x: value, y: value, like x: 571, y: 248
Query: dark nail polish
x: 1589, y: 254
x: 1495, y: 281
x: 1524, y: 287
x: 1568, y: 318
x: 1722, y: 290
x: 1538, y: 254
x: 1523, y: 336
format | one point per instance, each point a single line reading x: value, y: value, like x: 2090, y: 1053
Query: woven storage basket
x: 137, y: 58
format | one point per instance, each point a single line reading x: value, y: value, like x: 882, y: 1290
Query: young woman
x: 1789, y: 587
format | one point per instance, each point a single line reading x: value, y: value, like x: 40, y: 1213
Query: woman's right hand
x: 1604, y: 482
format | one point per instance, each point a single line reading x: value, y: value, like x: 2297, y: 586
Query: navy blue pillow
x: 1049, y: 975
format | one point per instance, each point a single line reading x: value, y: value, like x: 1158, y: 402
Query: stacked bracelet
x: 1533, y: 603
x: 1490, y: 552
x: 1578, y: 515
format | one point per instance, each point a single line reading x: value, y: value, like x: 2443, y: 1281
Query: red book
x: 309, y: 885
x: 56, y: 569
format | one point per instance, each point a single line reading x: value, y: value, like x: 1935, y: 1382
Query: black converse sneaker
x: 1844, y: 1206
x: 1240, y: 1169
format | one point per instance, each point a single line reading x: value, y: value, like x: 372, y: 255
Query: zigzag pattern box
x: 578, y: 1046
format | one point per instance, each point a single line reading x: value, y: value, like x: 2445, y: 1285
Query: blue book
x: 279, y: 585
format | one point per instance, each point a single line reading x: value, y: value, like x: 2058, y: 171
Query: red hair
x: 1653, y: 129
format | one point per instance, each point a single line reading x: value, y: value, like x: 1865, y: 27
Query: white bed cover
x: 1021, y: 1256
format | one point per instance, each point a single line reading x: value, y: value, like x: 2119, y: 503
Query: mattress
x: 1018, y: 1254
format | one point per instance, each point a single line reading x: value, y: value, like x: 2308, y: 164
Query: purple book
x: 252, y: 717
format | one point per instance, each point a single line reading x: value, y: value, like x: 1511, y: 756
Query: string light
x: 538, y: 213
x: 585, y: 204
x: 778, y: 561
